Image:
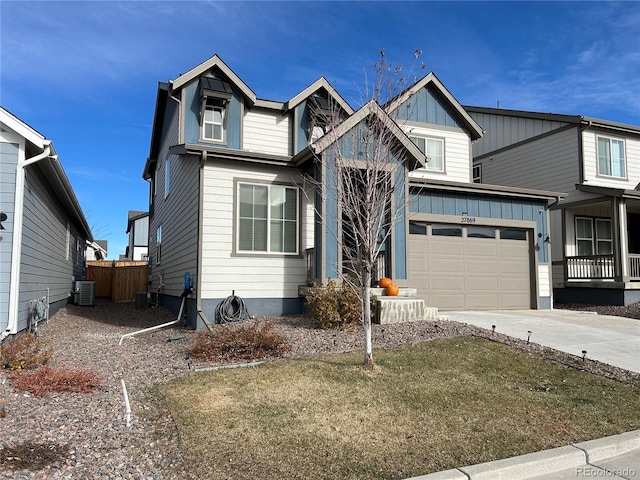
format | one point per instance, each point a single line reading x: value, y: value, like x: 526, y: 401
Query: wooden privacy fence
x: 118, y: 280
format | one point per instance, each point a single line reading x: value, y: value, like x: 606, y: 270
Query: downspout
x: 584, y: 125
x: 199, y: 275
x: 16, y: 251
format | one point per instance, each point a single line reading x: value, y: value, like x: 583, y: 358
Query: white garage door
x: 470, y: 267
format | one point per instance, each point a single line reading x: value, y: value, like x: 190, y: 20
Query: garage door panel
x: 481, y: 266
x: 511, y: 284
x: 479, y: 284
x: 470, y: 272
x: 446, y: 265
x: 446, y: 301
x: 447, y: 284
x: 481, y: 247
x: 482, y: 302
x: 451, y: 246
x: 517, y: 267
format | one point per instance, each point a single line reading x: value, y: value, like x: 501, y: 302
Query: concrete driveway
x: 608, y: 339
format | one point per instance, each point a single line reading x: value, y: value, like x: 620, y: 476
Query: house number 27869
x: 466, y: 219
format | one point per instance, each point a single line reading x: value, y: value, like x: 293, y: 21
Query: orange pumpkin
x: 393, y: 290
x: 384, y: 282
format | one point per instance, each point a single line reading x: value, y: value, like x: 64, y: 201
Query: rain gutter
x: 14, y: 290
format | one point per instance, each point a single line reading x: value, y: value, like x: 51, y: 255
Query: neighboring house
x: 595, y: 229
x: 138, y: 231
x: 43, y: 232
x: 225, y: 171
x: 97, y: 250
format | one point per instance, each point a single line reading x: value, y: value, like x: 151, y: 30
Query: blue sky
x: 85, y: 74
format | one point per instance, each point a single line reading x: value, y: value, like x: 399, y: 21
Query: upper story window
x: 216, y: 96
x: 433, y: 148
x: 611, y: 161
x: 477, y: 173
x: 212, y: 123
x: 268, y: 218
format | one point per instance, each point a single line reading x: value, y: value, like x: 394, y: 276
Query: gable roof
x: 51, y: 167
x: 371, y: 108
x: 313, y: 88
x: 556, y: 117
x: 431, y: 80
x: 207, y: 65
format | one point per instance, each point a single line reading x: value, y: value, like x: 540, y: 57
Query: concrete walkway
x: 608, y: 339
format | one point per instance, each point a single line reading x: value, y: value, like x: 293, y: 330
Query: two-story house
x: 138, y: 232
x: 43, y: 231
x: 228, y: 204
x: 595, y: 229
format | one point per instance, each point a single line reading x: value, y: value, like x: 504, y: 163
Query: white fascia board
x: 214, y: 61
x: 16, y: 125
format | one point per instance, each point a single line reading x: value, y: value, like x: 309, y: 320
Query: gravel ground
x: 86, y: 436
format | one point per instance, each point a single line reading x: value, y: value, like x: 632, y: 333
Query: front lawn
x: 433, y: 406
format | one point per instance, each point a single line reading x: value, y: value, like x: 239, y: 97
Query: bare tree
x: 362, y: 162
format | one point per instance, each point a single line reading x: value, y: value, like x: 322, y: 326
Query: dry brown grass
x: 424, y: 408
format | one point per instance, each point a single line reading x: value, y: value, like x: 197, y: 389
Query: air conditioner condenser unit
x: 84, y: 293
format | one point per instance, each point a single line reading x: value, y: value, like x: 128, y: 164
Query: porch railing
x: 583, y: 267
x: 634, y: 266
x: 310, y: 255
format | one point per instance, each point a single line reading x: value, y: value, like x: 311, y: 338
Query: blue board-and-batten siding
x: 426, y: 106
x: 473, y: 205
x: 233, y: 120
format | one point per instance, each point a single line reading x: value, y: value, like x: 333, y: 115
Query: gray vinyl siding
x: 43, y: 262
x: 548, y: 163
x: 504, y: 130
x: 8, y: 162
x: 177, y: 214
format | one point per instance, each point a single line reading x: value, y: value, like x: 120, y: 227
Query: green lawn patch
x: 424, y: 408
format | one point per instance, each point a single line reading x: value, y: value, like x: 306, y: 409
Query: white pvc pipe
x: 126, y: 403
x: 173, y: 322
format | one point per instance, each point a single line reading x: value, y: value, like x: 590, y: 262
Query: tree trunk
x: 366, y: 318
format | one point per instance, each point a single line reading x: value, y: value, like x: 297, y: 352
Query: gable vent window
x: 216, y: 96
x: 321, y: 117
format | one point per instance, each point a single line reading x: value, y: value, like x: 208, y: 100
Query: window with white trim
x: 433, y: 148
x: 593, y: 236
x: 268, y: 219
x: 216, y: 94
x: 159, y: 245
x: 213, y: 122
x: 611, y: 161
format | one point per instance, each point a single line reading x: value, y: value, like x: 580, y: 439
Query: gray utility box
x: 142, y: 300
x: 84, y: 293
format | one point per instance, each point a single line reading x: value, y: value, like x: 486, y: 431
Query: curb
x: 545, y: 462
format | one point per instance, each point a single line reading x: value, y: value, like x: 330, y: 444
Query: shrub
x: 24, y: 352
x: 240, y: 342
x: 47, y: 379
x: 334, y: 306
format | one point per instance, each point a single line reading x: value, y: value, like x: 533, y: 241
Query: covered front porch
x: 602, y: 241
